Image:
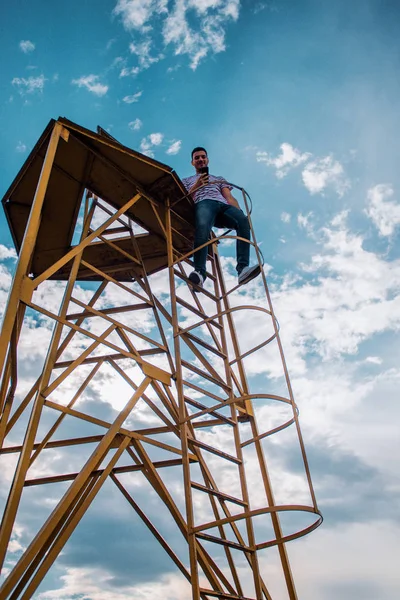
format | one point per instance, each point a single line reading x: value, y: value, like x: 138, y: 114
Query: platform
x: 114, y: 173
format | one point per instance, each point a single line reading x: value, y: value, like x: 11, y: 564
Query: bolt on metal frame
x: 191, y: 376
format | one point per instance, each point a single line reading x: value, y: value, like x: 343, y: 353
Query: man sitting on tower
x: 215, y: 206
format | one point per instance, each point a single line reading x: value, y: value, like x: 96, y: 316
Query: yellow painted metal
x: 187, y: 368
x: 28, y: 244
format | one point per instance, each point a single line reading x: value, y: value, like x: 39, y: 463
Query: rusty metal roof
x: 112, y: 172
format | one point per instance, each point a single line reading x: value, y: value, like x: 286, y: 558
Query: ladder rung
x: 110, y: 311
x: 202, y: 373
x: 198, y: 340
x: 223, y: 595
x: 203, y: 391
x: 216, y: 451
x: 217, y: 540
x: 197, y: 312
x: 212, y: 412
x: 203, y: 290
x: 207, y: 423
x: 226, y: 497
x: 105, y: 357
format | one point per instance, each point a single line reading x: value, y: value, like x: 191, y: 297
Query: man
x: 215, y: 206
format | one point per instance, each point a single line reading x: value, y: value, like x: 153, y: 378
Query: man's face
x: 199, y: 160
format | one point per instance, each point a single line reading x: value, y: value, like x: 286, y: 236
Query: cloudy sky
x: 298, y: 102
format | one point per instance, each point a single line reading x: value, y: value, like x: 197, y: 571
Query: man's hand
x: 202, y: 180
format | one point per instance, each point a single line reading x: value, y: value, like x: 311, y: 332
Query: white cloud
x: 6, y: 252
x: 132, y: 98
x: 143, y: 51
x: 118, y: 62
x: 289, y: 158
x: 30, y: 85
x: 99, y: 584
x: 285, y: 217
x: 352, y: 294
x: 384, y: 213
x: 174, y: 147
x: 26, y: 46
x: 209, y: 38
x: 317, y: 173
x: 21, y: 147
x: 230, y: 9
x: 270, y: 6
x: 147, y: 144
x: 341, y: 297
x: 174, y: 68
x: 361, y: 569
x: 156, y: 138
x: 202, y: 6
x: 324, y: 172
x: 135, y: 125
x: 135, y: 14
x: 196, y: 37
x: 375, y: 360
x: 127, y: 71
x: 92, y: 84
x: 15, y: 546
x: 145, y: 147
x: 305, y: 220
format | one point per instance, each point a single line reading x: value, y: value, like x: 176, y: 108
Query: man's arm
x: 226, y: 192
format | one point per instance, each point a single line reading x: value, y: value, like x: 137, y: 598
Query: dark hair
x: 198, y: 149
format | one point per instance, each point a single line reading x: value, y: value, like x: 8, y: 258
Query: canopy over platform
x: 114, y: 173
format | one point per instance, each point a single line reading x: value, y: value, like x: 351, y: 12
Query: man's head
x: 199, y: 158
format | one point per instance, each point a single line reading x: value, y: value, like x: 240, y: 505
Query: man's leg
x: 234, y: 218
x: 205, y: 213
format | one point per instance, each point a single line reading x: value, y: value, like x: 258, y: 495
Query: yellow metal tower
x: 117, y: 228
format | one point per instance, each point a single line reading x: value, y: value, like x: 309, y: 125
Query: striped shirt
x: 211, y: 191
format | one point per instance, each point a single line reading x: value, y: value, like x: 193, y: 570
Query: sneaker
x: 248, y: 273
x: 197, y: 278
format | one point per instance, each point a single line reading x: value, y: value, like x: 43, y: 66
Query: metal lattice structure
x: 185, y: 369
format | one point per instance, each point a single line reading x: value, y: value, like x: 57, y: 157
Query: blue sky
x: 298, y: 102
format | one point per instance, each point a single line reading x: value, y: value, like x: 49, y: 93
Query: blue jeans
x: 210, y: 213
